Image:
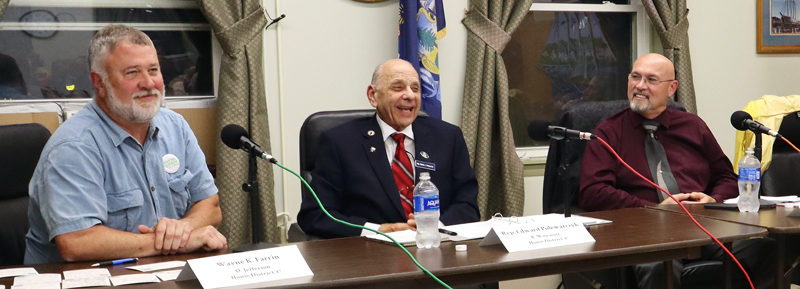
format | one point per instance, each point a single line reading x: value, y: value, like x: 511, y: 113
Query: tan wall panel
x: 203, y: 122
x: 47, y: 119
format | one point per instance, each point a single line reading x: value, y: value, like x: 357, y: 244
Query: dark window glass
x: 50, y: 61
x: 105, y: 15
x: 556, y: 59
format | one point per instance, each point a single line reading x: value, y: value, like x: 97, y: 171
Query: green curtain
x: 238, y: 26
x: 671, y: 22
x: 485, y: 110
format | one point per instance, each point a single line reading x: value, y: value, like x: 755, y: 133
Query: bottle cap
x: 461, y: 248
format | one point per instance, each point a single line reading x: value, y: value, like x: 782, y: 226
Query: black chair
x: 780, y: 179
x: 20, y: 147
x: 561, y: 188
x: 310, y: 132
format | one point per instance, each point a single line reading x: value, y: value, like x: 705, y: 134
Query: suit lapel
x: 375, y: 149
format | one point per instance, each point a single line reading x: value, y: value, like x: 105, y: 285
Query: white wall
x: 728, y: 73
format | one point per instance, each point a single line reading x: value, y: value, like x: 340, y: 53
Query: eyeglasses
x: 635, y: 78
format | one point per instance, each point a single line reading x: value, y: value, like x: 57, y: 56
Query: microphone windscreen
x: 738, y: 118
x: 537, y: 130
x: 232, y: 134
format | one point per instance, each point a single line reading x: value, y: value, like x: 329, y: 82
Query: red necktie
x: 403, y: 174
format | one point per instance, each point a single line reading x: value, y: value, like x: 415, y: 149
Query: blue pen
x: 115, y: 262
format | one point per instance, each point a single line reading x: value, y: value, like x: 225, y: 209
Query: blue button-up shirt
x: 93, y: 172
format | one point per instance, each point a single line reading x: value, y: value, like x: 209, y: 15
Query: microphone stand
x: 757, y: 147
x: 252, y: 188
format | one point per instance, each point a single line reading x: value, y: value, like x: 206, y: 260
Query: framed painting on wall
x: 777, y: 26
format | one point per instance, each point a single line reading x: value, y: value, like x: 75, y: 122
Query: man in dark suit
x: 353, y: 176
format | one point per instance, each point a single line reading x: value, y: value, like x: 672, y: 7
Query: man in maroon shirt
x: 702, y: 171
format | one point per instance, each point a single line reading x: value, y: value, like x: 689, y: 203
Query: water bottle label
x: 423, y: 203
x: 750, y: 174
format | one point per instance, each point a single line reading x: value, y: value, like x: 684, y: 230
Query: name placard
x: 267, y: 266
x: 537, y: 235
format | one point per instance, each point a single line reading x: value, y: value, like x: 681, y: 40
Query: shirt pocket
x: 179, y: 186
x: 124, y: 209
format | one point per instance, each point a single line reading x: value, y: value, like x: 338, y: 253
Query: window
x: 43, y: 46
x: 567, y: 51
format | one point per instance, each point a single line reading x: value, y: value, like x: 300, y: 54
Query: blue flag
x: 421, y: 26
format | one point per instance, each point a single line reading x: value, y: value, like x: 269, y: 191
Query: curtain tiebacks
x: 488, y: 31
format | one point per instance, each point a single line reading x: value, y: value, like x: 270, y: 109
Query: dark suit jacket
x: 354, y: 181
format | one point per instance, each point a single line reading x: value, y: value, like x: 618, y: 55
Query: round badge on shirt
x: 171, y: 163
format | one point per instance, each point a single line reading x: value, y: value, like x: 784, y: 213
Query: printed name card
x: 248, y: 268
x: 522, y: 236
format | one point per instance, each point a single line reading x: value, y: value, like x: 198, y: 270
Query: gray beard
x: 639, y: 107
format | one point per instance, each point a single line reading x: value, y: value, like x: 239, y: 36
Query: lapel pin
x: 372, y: 149
x: 423, y: 154
x: 371, y: 133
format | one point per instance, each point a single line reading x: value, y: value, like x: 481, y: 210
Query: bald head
x: 658, y: 61
x: 651, y: 84
x: 395, y: 93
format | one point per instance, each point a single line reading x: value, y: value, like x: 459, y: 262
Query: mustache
x: 143, y: 93
x: 639, y: 92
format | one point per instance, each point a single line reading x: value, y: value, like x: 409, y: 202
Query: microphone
x: 235, y: 137
x: 743, y: 121
x: 540, y: 130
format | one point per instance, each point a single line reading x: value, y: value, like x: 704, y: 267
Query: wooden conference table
x: 776, y: 221
x: 636, y: 236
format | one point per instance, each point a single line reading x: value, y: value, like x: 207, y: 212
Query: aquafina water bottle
x: 426, y: 212
x: 749, y: 182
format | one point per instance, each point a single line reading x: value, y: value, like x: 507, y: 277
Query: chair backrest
x: 310, y: 132
x: 780, y: 178
x: 313, y: 127
x: 565, y: 157
x: 20, y: 147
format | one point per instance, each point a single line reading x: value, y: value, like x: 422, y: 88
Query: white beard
x: 639, y: 107
x: 135, y: 112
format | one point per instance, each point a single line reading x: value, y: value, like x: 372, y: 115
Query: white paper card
x: 38, y: 286
x: 86, y: 273
x: 167, y: 275
x: 469, y: 231
x: 550, y: 233
x: 404, y: 237
x: 38, y: 278
x: 157, y: 266
x: 247, y: 268
x: 13, y: 272
x: 134, y: 279
x: 85, y: 282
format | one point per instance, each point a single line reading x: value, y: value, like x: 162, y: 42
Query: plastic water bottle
x: 749, y: 182
x: 426, y: 212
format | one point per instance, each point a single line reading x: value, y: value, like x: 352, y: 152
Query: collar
x: 387, y: 130
x: 115, y: 132
x: 665, y: 118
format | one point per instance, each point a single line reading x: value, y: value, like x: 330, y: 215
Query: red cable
x: 684, y: 209
x: 790, y: 143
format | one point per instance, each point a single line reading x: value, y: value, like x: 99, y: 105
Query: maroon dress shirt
x: 696, y: 159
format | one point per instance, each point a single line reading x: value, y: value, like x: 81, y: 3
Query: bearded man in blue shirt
x: 123, y: 177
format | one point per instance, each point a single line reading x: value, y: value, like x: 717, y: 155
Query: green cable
x: 313, y: 193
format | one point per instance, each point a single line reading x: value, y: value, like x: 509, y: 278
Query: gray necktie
x: 657, y: 160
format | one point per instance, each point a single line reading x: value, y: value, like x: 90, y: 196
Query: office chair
x: 310, y: 132
x: 561, y: 187
x: 780, y: 178
x: 20, y: 147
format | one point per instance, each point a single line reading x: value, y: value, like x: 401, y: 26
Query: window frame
x: 64, y: 104
x: 537, y: 155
